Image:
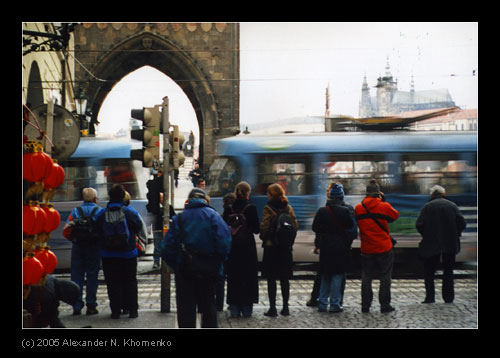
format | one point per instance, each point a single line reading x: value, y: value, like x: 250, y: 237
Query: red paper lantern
x: 53, y: 219
x: 34, y: 219
x: 55, y: 177
x: 36, y: 166
x: 32, y: 270
x: 47, y: 258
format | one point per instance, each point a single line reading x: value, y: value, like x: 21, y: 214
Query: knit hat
x: 373, y: 187
x: 336, y: 192
x: 197, y: 193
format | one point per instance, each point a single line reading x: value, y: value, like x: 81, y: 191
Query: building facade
x: 389, y: 100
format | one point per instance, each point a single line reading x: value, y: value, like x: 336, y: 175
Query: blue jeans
x: 85, y: 261
x: 157, y: 238
x: 245, y: 309
x: 330, y: 291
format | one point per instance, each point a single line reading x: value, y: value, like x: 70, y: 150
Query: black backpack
x: 285, y: 233
x: 83, y: 231
x: 237, y: 224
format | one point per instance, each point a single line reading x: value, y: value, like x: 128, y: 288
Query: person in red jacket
x: 372, y: 216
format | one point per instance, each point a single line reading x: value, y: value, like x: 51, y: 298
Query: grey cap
x: 197, y: 193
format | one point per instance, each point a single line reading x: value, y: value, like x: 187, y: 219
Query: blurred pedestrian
x: 440, y: 223
x: 241, y: 266
x: 118, y: 225
x: 331, y: 225
x: 81, y: 230
x: 372, y: 215
x: 277, y: 259
x: 201, y: 233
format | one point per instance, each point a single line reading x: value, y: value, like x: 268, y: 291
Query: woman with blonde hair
x: 277, y: 261
x: 241, y: 266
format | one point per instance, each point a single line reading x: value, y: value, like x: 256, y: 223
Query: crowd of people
x: 205, y: 250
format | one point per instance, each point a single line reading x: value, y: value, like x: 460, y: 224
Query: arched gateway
x: 203, y: 59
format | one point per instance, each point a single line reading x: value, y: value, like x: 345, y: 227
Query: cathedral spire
x: 387, y: 68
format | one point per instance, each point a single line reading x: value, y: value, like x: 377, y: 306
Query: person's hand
x: 316, y: 251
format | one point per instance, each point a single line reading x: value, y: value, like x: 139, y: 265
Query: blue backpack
x: 115, y: 228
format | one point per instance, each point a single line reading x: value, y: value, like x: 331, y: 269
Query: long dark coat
x: 241, y: 266
x: 440, y: 223
x: 277, y: 262
x: 333, y: 238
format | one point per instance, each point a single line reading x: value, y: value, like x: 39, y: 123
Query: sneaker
x: 91, y: 311
x: 387, y: 309
x: 156, y: 265
x: 336, y: 310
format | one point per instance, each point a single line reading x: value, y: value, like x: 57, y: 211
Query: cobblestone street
x: 407, y: 296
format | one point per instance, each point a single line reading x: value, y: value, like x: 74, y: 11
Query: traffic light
x: 176, y: 140
x: 149, y: 155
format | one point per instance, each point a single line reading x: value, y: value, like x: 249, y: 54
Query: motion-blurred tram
x: 406, y: 164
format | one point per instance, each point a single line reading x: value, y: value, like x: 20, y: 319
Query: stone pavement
x: 406, y: 297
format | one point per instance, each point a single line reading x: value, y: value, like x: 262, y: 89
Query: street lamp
x: 81, y: 110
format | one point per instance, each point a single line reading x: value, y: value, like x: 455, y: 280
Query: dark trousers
x: 430, y: 267
x: 121, y: 280
x: 371, y: 264
x: 191, y: 292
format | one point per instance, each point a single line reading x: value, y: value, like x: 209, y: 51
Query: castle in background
x: 389, y: 100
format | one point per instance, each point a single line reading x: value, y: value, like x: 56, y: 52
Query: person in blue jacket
x: 119, y: 263
x: 203, y: 231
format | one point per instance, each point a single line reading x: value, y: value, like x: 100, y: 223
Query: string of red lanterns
x: 39, y: 219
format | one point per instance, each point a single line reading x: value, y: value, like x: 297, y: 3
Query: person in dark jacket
x: 201, y: 230
x: 331, y: 225
x: 120, y: 265
x: 441, y: 224
x: 241, y: 267
x: 43, y: 301
x: 277, y: 262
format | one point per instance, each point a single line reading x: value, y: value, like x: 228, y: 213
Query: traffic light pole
x: 164, y: 270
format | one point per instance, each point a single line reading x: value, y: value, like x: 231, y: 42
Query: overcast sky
x: 286, y: 67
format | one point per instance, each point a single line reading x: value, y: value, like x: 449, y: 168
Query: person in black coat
x: 331, y: 225
x: 241, y: 266
x: 441, y: 224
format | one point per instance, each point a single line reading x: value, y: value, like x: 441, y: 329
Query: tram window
x: 293, y: 173
x: 80, y: 174
x: 223, y: 176
x: 354, y: 172
x: 455, y: 175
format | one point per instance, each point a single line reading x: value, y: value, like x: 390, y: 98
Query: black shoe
x: 387, y: 309
x: 272, y: 312
x: 365, y: 309
x: 77, y: 312
x: 285, y: 311
x: 115, y: 315
x: 429, y: 300
x: 312, y: 303
x: 91, y: 311
x: 125, y: 311
x: 133, y: 314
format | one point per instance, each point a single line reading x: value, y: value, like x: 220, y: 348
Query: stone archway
x: 145, y: 48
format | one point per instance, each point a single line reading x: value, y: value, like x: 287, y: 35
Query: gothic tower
x: 365, y: 104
